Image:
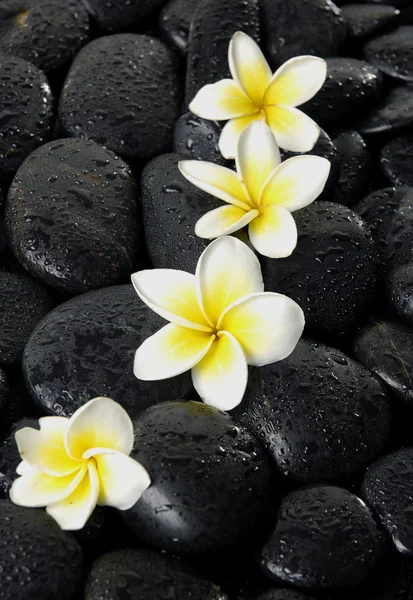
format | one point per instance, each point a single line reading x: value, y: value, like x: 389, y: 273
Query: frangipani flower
x: 221, y: 320
x: 262, y: 194
x: 71, y: 465
x: 254, y: 93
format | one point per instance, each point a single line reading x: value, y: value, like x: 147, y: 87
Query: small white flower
x: 255, y: 93
x: 71, y: 465
x: 221, y: 320
x: 262, y: 194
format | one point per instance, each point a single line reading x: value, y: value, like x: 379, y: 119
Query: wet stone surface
x: 196, y: 138
x: 396, y: 160
x: 364, y: 20
x: 393, y: 53
x: 356, y: 168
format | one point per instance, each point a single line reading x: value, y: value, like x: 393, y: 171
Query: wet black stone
x: 10, y: 457
x: 122, y: 574
x: 27, y: 112
x: 400, y: 234
x: 121, y: 15
x: 301, y: 27
x: 47, y: 33
x: 394, y: 112
x: 364, y: 20
x: 386, y: 348
x: 71, y: 216
x: 4, y: 391
x: 399, y: 292
x: 356, y: 168
x: 352, y: 87
x: 397, y: 3
x: 212, y: 484
x: 388, y: 489
x: 174, y: 23
x: 212, y: 28
x: 393, y: 53
x: 122, y: 91
x: 23, y: 303
x: 332, y: 272
x: 198, y: 139
x: 37, y: 559
x: 171, y: 207
x: 396, y: 160
x: 325, y: 537
x: 283, y: 594
x: 85, y: 348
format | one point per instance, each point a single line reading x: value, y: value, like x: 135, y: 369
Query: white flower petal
x: 297, y: 182
x: 293, y: 130
x: 221, y: 101
x: 100, y: 423
x: 221, y: 377
x: 268, y: 326
x: 274, y: 232
x: 215, y: 180
x: 73, y: 512
x: 228, y: 140
x: 257, y: 157
x: 223, y: 221
x: 248, y: 66
x: 24, y: 468
x: 172, y: 295
x: 169, y: 352
x: 296, y: 81
x: 227, y: 270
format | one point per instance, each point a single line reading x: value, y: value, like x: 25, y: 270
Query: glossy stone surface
x: 364, y: 20
x: 393, y: 113
x: 122, y: 14
x: 196, y: 138
x: 396, y: 160
x: 175, y: 21
x: 356, y: 168
x: 393, y: 53
x: 399, y: 292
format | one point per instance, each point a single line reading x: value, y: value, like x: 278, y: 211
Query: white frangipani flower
x: 261, y: 194
x: 254, y: 93
x: 71, y: 465
x: 221, y: 320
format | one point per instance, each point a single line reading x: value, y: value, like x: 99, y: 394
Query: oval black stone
x: 206, y: 475
x: 121, y: 574
x: 47, y: 33
x: 392, y: 53
x: 10, y: 456
x: 325, y: 537
x: 356, y: 168
x: 122, y: 92
x: 37, y: 559
x: 85, y: 348
x: 399, y: 292
x: 364, y: 20
x: 71, y: 216
x: 396, y: 160
x: 121, y: 15
x: 198, y: 139
x: 332, y: 272
x: 175, y: 21
x: 394, y: 112
x: 320, y: 415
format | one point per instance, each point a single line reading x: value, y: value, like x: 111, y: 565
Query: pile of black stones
x: 305, y: 491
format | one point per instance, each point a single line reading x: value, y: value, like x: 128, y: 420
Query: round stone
x: 396, y: 160
x: 364, y: 20
x: 198, y: 139
x: 356, y: 168
x: 393, y: 113
x: 392, y: 53
x: 399, y: 292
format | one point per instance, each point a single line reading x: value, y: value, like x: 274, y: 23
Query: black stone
x: 121, y: 15
x: 394, y: 112
x: 320, y: 415
x: 325, y: 537
x: 129, y: 574
x: 85, y: 348
x: 364, y: 20
x: 393, y: 53
x: 171, y: 207
x: 27, y: 112
x: 122, y: 91
x: 283, y: 594
x: 71, y: 216
x: 400, y: 234
x: 198, y: 139
x: 37, y: 559
x: 4, y: 391
x: 300, y: 27
x: 396, y: 3
x: 23, y: 303
x: 47, y: 33
x: 174, y: 23
x: 212, y: 28
x: 356, y: 168
x: 10, y: 457
x: 399, y: 292
x: 212, y: 484
x: 388, y: 488
x: 386, y: 348
x: 332, y: 272
x: 396, y: 160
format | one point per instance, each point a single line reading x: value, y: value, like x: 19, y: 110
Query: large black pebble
x: 388, y: 489
x: 393, y: 113
x: 364, y: 20
x: 85, y: 348
x: 396, y: 160
x: 171, y: 207
x: 121, y: 15
x: 132, y: 574
x: 122, y: 92
x: 399, y: 292
x: 38, y: 560
x: 23, y: 303
x: 301, y: 27
x: 386, y: 348
x: 213, y: 485
x: 175, y: 21
x: 283, y: 594
x: 356, y: 168
x: 332, y: 272
x: 47, y: 33
x: 71, y: 216
x: 10, y: 456
x: 392, y: 53
x: 213, y: 25
x: 320, y: 415
x: 27, y: 112
x: 198, y: 139
x: 325, y: 538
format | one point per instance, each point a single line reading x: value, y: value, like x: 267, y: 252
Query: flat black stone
x: 121, y: 15
x: 356, y: 168
x: 399, y: 292
x: 197, y: 139
x: 394, y: 112
x: 122, y: 92
x: 175, y: 21
x: 72, y: 216
x: 325, y: 538
x: 85, y: 348
x: 364, y: 20
x: 392, y: 53
x: 396, y: 160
